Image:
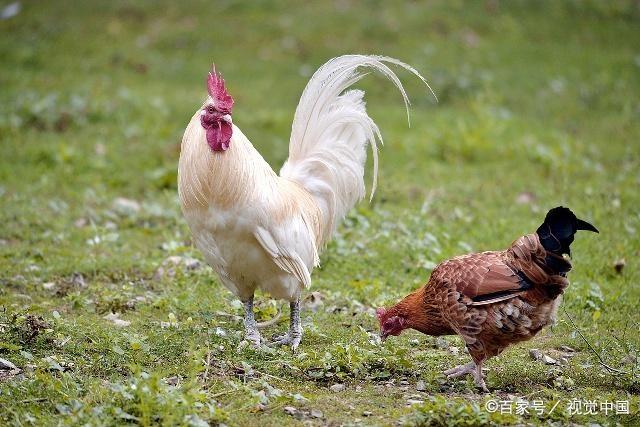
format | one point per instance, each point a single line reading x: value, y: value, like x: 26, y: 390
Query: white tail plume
x: 330, y: 132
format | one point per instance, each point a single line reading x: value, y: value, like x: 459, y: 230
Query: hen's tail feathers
x: 330, y: 132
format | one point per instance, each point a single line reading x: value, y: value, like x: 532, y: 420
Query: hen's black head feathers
x: 557, y: 231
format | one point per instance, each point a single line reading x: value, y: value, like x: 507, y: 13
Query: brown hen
x: 492, y: 299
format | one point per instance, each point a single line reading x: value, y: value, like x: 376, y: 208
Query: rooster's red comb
x: 223, y: 102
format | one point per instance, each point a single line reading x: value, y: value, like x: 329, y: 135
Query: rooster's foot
x: 251, y: 333
x: 253, y: 336
x: 294, y: 335
x: 470, y: 368
x: 291, y: 338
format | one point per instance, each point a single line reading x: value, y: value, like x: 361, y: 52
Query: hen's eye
x: 210, y: 109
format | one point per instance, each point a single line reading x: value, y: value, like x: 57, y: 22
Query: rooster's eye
x: 210, y: 109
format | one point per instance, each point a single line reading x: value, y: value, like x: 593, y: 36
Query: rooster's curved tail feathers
x: 330, y: 132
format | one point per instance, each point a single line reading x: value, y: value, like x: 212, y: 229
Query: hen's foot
x: 458, y: 371
x: 480, y: 383
x: 470, y: 368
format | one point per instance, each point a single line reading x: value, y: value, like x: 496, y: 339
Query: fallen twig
x: 575, y: 327
x: 35, y: 399
x: 275, y: 319
x: 208, y: 363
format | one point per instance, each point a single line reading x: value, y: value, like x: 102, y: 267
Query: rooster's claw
x: 291, y: 338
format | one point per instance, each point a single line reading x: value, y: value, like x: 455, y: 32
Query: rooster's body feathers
x: 260, y: 230
x: 252, y: 237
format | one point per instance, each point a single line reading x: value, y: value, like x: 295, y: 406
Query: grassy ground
x: 538, y: 106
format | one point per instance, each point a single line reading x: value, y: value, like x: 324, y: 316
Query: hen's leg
x: 472, y: 368
x: 460, y: 370
x: 251, y: 333
x: 294, y: 336
x: 478, y: 377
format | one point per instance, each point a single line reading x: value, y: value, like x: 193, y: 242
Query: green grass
x: 536, y: 98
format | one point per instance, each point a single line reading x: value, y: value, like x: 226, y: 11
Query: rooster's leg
x: 251, y: 333
x: 294, y: 335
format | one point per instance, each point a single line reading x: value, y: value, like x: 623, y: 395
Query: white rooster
x: 260, y: 230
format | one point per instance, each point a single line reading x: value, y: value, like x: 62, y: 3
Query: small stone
x: 172, y: 381
x: 80, y: 222
x: 535, y: 354
x: 77, y: 280
x: 421, y: 386
x: 290, y: 410
x: 337, y: 388
x: 414, y: 342
x: 442, y: 343
x: 115, y: 319
x: 191, y: 263
x: 367, y: 413
x: 10, y: 10
x: 125, y: 207
x: 169, y: 265
x: 629, y: 359
x: 549, y: 360
x: 414, y: 402
x: 454, y: 350
x: 100, y: 149
x: 525, y: 198
x: 567, y: 349
x: 6, y: 365
x: 316, y: 413
x: 49, y: 285
x: 314, y: 301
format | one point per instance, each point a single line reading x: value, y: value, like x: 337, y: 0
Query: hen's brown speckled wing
x: 484, y: 277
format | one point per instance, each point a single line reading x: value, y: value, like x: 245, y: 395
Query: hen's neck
x: 423, y: 313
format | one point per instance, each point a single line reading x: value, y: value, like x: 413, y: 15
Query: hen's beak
x: 383, y: 336
x: 584, y: 225
x: 227, y: 118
